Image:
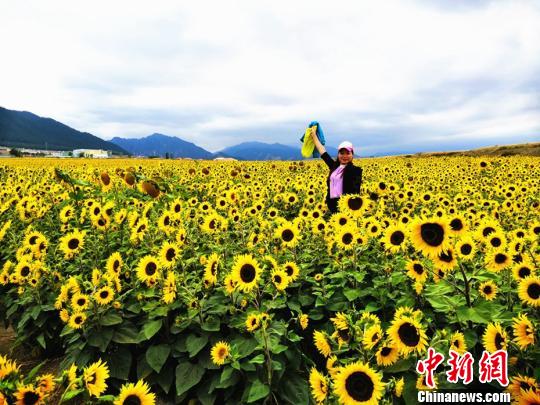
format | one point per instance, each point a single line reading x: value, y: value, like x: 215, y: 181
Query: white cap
x: 346, y: 145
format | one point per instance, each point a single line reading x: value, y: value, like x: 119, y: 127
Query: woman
x: 344, y: 177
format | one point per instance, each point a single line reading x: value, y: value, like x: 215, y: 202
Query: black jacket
x: 352, y: 176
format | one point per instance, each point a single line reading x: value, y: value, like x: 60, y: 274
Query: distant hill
x: 529, y: 149
x: 159, y: 145
x: 22, y: 129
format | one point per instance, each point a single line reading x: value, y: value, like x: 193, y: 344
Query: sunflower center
x: 116, y: 264
x: 500, y: 258
x: 25, y: 271
x: 104, y: 294
x: 418, y: 268
x: 359, y: 386
x: 289, y: 270
x: 409, y: 334
x: 355, y: 203
x: 287, y: 235
x: 496, y: 242
x: 385, y: 351
x: 277, y: 279
x: 347, y: 239
x: 247, y: 273
x: 30, y: 398
x: 33, y: 240
x: 446, y: 256
x: 466, y: 249
x: 524, y: 272
x: 81, y: 302
x: 212, y: 224
x: 73, y: 243
x: 533, y: 291
x: 432, y: 234
x: 456, y: 224
x: 524, y: 385
x: 397, y: 238
x: 487, y: 231
x: 213, y: 268
x: 150, y: 269
x: 342, y: 221
x: 499, y: 340
x: 170, y: 254
x: 132, y: 400
x: 78, y: 320
x: 487, y: 289
x: 456, y: 343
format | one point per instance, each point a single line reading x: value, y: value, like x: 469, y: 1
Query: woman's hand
x: 318, y: 143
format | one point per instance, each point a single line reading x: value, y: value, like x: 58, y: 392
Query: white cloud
x: 368, y: 65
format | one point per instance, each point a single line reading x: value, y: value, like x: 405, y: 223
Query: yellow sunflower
x: 72, y: 243
x: 219, y: 353
x: 357, y: 384
x: 28, y: 395
x: 408, y: 335
x: 520, y: 383
x: 288, y: 234
x: 253, y: 322
x: 387, y: 354
x: 148, y: 269
x: 529, y: 291
x: 115, y: 263
x: 529, y: 397
x: 321, y: 343
x: 168, y: 254
x: 95, y: 377
x: 77, y: 320
x: 395, y: 238
x: 488, y: 290
x: 494, y: 338
x: 352, y: 204
x: 246, y: 272
x: 372, y: 336
x: 345, y: 237
x: 104, y: 295
x: 416, y: 271
x: 292, y: 270
x: 210, y: 268
x: 80, y: 302
x: 280, y: 279
x: 496, y: 260
x: 457, y: 343
x: 524, y: 332
x: 319, y: 385
x: 430, y: 236
x: 138, y: 393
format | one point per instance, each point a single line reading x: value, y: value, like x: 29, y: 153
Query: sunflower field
x: 219, y: 282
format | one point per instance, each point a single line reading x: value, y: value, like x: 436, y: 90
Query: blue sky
x: 392, y: 76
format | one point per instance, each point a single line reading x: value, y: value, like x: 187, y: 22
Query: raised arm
x: 318, y: 143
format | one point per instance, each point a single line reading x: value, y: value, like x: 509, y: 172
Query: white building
x: 93, y: 153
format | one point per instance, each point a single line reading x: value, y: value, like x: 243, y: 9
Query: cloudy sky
x: 391, y: 76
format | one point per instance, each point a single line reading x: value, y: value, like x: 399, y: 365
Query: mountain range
x: 23, y: 129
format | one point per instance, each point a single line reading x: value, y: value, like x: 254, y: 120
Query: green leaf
x: 259, y: 359
x: 187, y: 376
x: 244, y: 346
x: 41, y: 340
x: 211, y: 324
x: 110, y: 319
x: 229, y: 377
x: 257, y: 391
x: 71, y: 394
x: 126, y: 334
x: 157, y: 355
x: 194, y: 344
x: 400, y: 366
x: 151, y: 328
x: 100, y: 338
x: 294, y: 389
x: 119, y: 362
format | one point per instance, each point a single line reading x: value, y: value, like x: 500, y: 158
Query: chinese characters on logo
x: 492, y: 366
